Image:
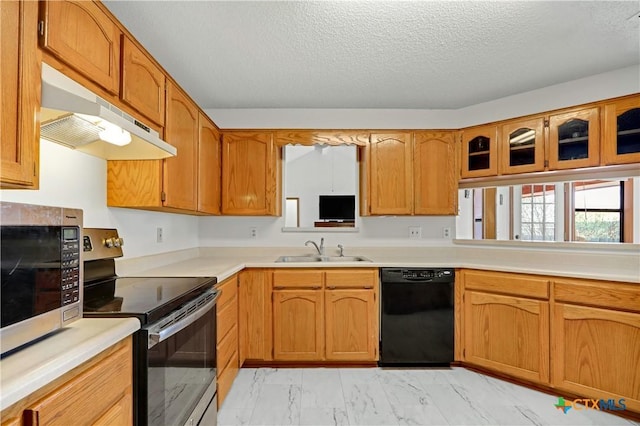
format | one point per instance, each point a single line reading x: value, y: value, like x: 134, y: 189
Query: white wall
x: 611, y: 84
x: 70, y: 178
x: 503, y: 219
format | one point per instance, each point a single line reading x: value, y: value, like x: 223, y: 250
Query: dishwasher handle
x: 176, y: 321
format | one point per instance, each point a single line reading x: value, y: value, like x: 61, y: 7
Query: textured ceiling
x: 379, y: 54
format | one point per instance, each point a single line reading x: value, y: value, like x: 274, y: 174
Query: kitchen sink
x: 314, y: 258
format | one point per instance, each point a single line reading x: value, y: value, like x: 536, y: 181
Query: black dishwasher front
x: 416, y: 316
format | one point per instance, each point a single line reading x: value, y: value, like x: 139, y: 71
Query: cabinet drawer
x: 229, y: 289
x: 227, y: 348
x: 598, y: 293
x: 499, y: 282
x: 226, y: 318
x: 352, y: 278
x: 298, y: 279
x: 225, y: 379
x: 75, y: 402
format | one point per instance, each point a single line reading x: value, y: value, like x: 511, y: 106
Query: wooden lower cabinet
x: 596, y: 349
x: 227, y: 341
x: 351, y: 323
x: 298, y: 325
x: 509, y: 334
x: 98, y: 392
x: 255, y: 318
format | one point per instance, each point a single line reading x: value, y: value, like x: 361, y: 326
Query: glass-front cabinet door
x: 479, y: 152
x: 574, y: 139
x: 621, y: 142
x: 522, y: 146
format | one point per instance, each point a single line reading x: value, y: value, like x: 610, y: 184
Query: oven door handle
x: 157, y: 335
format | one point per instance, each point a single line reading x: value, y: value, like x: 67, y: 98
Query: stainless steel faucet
x: 341, y: 247
x: 319, y: 249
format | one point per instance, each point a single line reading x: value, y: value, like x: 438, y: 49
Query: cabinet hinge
x: 35, y: 170
x: 464, y: 353
x: 546, y: 163
x: 546, y: 123
x: 163, y: 196
x: 41, y: 28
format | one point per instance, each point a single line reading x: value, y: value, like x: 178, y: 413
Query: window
x: 598, y: 211
x: 537, y: 205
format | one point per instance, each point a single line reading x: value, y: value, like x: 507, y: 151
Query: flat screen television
x: 337, y: 207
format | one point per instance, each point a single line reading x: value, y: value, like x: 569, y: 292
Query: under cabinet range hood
x: 74, y: 116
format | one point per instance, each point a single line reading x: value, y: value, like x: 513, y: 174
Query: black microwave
x: 41, y: 277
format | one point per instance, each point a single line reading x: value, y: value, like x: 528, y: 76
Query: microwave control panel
x: 70, y: 261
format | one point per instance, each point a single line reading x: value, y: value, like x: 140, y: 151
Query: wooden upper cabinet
x: 143, y: 83
x: 435, y: 174
x: 621, y: 142
x: 522, y: 146
x: 208, y: 167
x: 83, y: 36
x: 574, y: 139
x: 479, y: 152
x: 250, y: 174
x: 20, y: 95
x: 391, y: 174
x: 180, y: 178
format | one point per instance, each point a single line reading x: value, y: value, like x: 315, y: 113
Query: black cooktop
x: 146, y: 298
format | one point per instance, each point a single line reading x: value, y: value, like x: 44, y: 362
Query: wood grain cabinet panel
x: 227, y: 336
x: 621, y: 135
x: 596, y: 353
x: 209, y: 164
x: 391, y: 174
x: 143, y: 82
x: 298, y: 325
x: 19, y: 95
x: 288, y: 278
x: 100, y: 395
x: 435, y: 174
x: 479, y: 152
x: 250, y: 174
x: 507, y: 334
x: 84, y: 37
x: 574, y: 139
x: 351, y: 325
x: 180, y: 172
x: 255, y: 315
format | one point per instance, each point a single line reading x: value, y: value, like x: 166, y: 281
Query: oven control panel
x: 101, y: 243
x: 70, y: 265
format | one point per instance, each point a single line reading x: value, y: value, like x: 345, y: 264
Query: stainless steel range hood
x: 74, y: 116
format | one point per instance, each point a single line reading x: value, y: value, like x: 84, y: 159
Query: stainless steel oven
x: 41, y: 271
x: 175, y: 350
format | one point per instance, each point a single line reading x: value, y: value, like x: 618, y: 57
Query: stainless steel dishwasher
x: 416, y: 316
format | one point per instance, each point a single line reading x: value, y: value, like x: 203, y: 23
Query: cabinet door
x: 507, y: 334
x: 574, y: 139
x: 435, y: 175
x: 298, y: 325
x: 596, y: 353
x: 391, y: 174
x: 249, y: 174
x: 80, y: 34
x: 479, y: 152
x: 522, y: 146
x: 76, y: 403
x: 20, y: 95
x: 255, y: 315
x: 180, y: 172
x: 208, y: 167
x: 351, y: 325
x: 621, y: 142
x: 143, y: 83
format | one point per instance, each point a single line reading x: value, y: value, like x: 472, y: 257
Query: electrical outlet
x: 253, y: 232
x: 446, y: 232
x: 159, y: 235
x: 415, y: 232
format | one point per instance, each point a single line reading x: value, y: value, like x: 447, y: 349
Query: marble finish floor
x: 376, y: 396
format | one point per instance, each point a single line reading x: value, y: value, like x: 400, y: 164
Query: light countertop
x: 31, y: 368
